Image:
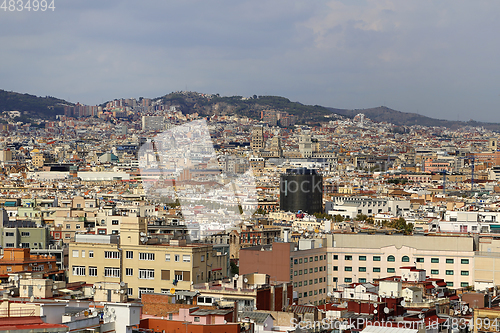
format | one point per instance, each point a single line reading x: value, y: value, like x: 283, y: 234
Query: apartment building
x: 20, y: 260
x: 364, y: 257
x: 309, y: 271
x: 145, y: 266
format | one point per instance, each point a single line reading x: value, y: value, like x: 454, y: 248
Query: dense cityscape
x: 137, y: 216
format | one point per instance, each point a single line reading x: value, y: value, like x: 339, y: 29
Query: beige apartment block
x: 364, y: 257
x: 309, y: 272
x: 145, y: 267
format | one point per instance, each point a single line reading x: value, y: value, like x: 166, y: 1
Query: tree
x: 234, y: 268
x: 339, y: 218
x: 401, y: 225
x: 361, y: 217
x: 370, y: 220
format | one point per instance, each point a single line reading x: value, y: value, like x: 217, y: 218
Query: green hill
x: 32, y: 106
x: 191, y: 102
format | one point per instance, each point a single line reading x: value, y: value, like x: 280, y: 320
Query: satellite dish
x: 122, y: 291
x: 464, y: 312
x: 329, y: 294
x: 32, y: 298
x: 112, y: 310
x: 122, y: 284
x: 420, y: 315
x: 236, y: 276
x: 86, y: 313
x: 12, y: 292
x: 386, y: 310
x: 245, y: 280
x: 375, y: 311
x: 403, y: 303
x: 375, y: 305
x: 225, y: 321
x: 39, y: 287
x: 466, y: 308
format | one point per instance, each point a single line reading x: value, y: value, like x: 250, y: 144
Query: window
x: 391, y: 270
x: 67, y: 236
x: 165, y: 274
x: 310, y: 259
x: 129, y: 291
x: 362, y: 280
x: 148, y: 274
x: 310, y: 270
x: 197, y: 319
x: 449, y: 272
x: 435, y: 260
x: 464, y: 284
x: 315, y: 269
x: 167, y: 257
x: 321, y: 257
x: 129, y: 271
x: 335, y: 257
x: 77, y: 227
x: 300, y: 283
x: 305, y: 260
x: 464, y: 261
x: 376, y: 258
x: 405, y: 259
x: 295, y: 273
x: 362, y: 258
x: 114, y: 222
x: 310, y: 282
x: 83, y: 253
x: 434, y: 271
x: 321, y: 268
x: 145, y: 291
x: 420, y: 260
x: 335, y: 268
x: 177, y: 257
x: 376, y: 269
x: 25, y: 234
x: 315, y: 281
x: 464, y: 273
x: 348, y: 280
x: 305, y: 282
x: 9, y: 234
x: 449, y: 284
x: 348, y: 257
x: 79, y: 270
x: 391, y: 258
x: 300, y: 261
x: 91, y: 254
x: 129, y: 254
x: 112, y: 272
x: 186, y: 258
x: 202, y: 258
x: 75, y: 253
x: 362, y: 269
x: 300, y: 295
x: 25, y: 245
x: 111, y: 255
x: 146, y: 256
x: 300, y: 272
x: 9, y: 244
x: 450, y: 261
x: 92, y: 271
x: 348, y: 269
x: 295, y: 284
x: 295, y: 261
x: 68, y: 226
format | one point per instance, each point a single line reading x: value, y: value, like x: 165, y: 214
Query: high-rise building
x: 301, y: 189
x: 257, y: 138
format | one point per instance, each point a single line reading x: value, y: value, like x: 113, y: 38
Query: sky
x: 436, y: 58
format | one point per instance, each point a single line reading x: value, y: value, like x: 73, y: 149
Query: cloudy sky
x: 436, y: 58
